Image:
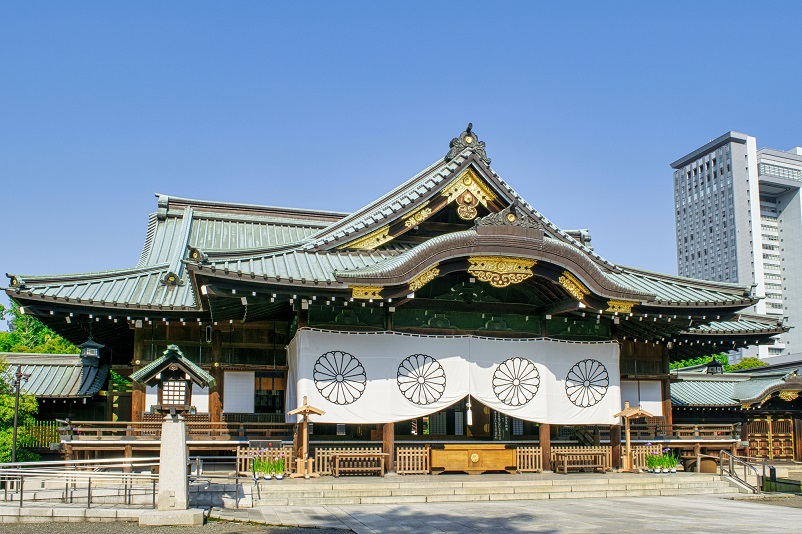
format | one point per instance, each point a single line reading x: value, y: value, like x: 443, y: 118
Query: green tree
x: 702, y: 360
x: 28, y: 407
x: 28, y: 334
x: 748, y: 363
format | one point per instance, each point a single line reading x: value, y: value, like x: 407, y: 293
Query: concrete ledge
x: 163, y: 518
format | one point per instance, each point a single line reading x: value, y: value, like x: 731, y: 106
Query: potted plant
x: 280, y: 467
x: 672, y: 461
x: 268, y: 468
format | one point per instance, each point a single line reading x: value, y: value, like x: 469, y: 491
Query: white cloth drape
x: 387, y: 376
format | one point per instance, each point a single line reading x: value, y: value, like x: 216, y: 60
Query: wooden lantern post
x: 626, y: 414
x: 303, y: 464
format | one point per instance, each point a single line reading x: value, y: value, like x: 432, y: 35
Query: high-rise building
x: 739, y: 219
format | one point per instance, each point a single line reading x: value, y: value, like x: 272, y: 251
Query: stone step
x: 502, y: 493
x: 401, y: 499
x: 433, y: 489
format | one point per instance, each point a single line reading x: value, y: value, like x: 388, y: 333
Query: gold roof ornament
x: 469, y: 191
x: 501, y: 271
x: 424, y: 278
x: 788, y: 395
x: 621, y: 306
x: 572, y: 284
x: 370, y: 241
x: 414, y: 218
x: 366, y: 292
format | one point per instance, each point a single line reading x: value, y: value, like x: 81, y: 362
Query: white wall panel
x: 239, y: 391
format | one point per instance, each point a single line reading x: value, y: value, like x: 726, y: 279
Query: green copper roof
x: 173, y: 355
x: 730, y: 389
x: 57, y: 375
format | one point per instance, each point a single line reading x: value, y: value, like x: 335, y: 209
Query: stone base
x: 181, y: 518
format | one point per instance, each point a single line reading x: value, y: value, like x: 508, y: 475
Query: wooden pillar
x: 666, y: 395
x: 216, y: 392
x: 797, y: 440
x: 666, y: 386
x: 388, y: 446
x: 545, y: 445
x: 615, y: 445
x: 138, y: 390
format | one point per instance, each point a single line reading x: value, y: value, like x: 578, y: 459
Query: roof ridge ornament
x: 512, y: 215
x: 467, y: 139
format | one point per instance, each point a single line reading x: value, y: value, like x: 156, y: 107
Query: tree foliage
x: 748, y: 363
x: 28, y: 407
x: 702, y: 360
x: 28, y: 334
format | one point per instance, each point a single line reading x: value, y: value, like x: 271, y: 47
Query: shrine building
x: 449, y: 309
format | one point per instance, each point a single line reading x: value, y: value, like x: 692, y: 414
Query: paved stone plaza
x: 698, y: 514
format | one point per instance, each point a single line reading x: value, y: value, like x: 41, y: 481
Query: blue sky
x: 328, y: 105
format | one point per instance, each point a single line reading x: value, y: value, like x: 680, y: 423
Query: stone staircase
x: 461, y: 488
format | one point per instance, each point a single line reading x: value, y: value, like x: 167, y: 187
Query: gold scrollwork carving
x: 572, y: 284
x: 621, y: 306
x: 366, y: 292
x: 745, y: 406
x: 424, y: 278
x: 418, y: 216
x: 500, y: 271
x: 468, y: 190
x: 788, y: 395
x: 370, y: 241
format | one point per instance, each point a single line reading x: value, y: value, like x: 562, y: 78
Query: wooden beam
x: 558, y: 308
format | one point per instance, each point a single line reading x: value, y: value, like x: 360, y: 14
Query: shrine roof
x: 56, y: 375
x: 730, y: 389
x: 292, y: 247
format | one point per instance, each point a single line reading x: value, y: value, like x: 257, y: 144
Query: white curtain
x: 386, y: 376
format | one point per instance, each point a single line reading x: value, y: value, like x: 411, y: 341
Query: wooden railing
x: 656, y: 429
x: 646, y: 432
x: 323, y: 456
x: 198, y: 431
x: 412, y: 460
x: 529, y: 459
x: 607, y: 450
x: 246, y: 455
x: 254, y: 417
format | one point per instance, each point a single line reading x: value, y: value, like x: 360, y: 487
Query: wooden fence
x: 412, y: 460
x: 639, y: 453
x: 529, y: 459
x: 607, y: 450
x: 39, y: 435
x: 323, y: 456
x: 246, y: 455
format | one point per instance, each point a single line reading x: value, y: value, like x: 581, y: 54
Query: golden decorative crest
x: 745, y: 406
x: 621, y: 306
x: 468, y: 190
x: 424, y: 278
x: 572, y: 284
x: 500, y: 271
x: 370, y: 241
x: 366, y: 292
x: 418, y: 216
x: 788, y: 395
